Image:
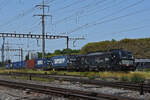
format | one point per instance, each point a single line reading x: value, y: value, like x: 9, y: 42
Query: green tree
x: 139, y: 47
x: 27, y: 57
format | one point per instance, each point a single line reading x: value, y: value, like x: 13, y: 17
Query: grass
x: 34, y: 78
x: 124, y: 78
x: 137, y: 78
x: 91, y: 75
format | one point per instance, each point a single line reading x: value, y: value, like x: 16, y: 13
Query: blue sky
x: 96, y: 20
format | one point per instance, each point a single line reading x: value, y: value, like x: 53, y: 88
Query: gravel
x: 15, y: 94
x: 75, y: 85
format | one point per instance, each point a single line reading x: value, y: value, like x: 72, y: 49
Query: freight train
x: 115, y: 60
x: 142, y: 64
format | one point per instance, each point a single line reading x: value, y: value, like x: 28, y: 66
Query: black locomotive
x: 116, y: 60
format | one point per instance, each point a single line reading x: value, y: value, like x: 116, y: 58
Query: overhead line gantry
x: 34, y: 36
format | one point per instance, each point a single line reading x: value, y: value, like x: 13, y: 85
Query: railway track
x: 126, y: 85
x: 62, y: 91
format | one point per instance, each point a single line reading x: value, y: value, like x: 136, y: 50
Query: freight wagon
x: 59, y: 62
x: 67, y: 62
x: 42, y: 63
x: 142, y: 64
x: 17, y: 65
x: 39, y: 63
x: 31, y: 64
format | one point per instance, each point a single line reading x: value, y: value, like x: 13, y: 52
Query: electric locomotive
x: 116, y: 60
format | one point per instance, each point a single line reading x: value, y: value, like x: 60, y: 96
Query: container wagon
x: 42, y: 63
x: 142, y: 64
x: 17, y: 65
x: 31, y: 64
x: 59, y: 62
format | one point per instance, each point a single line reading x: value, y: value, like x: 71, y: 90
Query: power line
x: 133, y: 29
x: 98, y: 10
x: 81, y: 10
x: 49, y: 1
x: 15, y: 18
x: 123, y: 16
x: 67, y: 6
x: 112, y: 19
x: 19, y: 16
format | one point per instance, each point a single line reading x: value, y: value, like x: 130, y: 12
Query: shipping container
x: 31, y: 64
x: 17, y: 65
x: 42, y: 63
x: 59, y: 62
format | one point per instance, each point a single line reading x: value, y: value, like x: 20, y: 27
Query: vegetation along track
x: 126, y: 85
x: 62, y: 91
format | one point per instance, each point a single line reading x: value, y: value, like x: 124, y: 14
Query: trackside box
x: 42, y: 63
x: 59, y: 62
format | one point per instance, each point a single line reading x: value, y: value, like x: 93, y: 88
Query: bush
x: 91, y: 76
x: 84, y: 74
x: 137, y: 78
x: 124, y: 78
x: 54, y: 73
x: 147, y: 70
x: 103, y: 78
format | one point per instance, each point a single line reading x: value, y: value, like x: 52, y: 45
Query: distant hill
x: 139, y: 47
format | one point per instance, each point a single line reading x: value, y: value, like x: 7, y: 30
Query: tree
x: 27, y: 57
x: 58, y: 52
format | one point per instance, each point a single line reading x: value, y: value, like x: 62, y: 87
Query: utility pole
x: 67, y: 42
x: 3, y: 46
x: 21, y: 54
x: 7, y: 52
x: 43, y: 15
x: 21, y: 57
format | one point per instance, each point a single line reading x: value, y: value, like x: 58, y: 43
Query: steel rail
x: 125, y: 85
x: 62, y: 91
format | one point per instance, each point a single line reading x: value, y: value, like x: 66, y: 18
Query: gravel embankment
x: 14, y: 94
x: 85, y: 87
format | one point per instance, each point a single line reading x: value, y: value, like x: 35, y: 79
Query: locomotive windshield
x: 126, y: 54
x: 127, y: 62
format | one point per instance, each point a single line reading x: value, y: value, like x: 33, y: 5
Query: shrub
x: 84, y: 74
x: 103, y: 78
x: 124, y: 78
x: 91, y: 76
x: 147, y: 70
x: 137, y: 78
x: 54, y: 73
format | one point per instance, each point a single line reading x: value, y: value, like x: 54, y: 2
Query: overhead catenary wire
x: 102, y: 9
x: 15, y: 18
x: 81, y: 10
x: 108, y: 20
x: 112, y: 19
x: 69, y: 5
x: 20, y: 16
x: 132, y: 29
